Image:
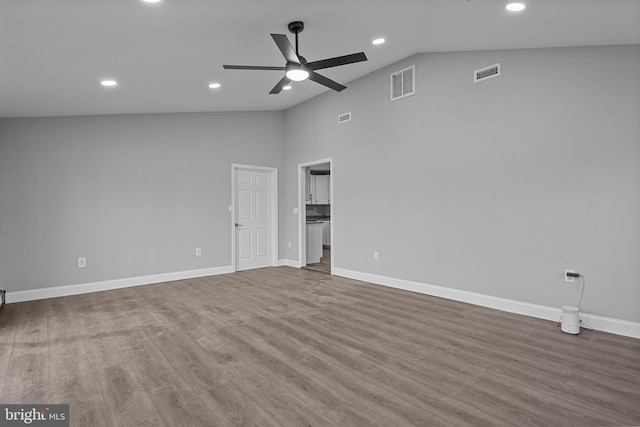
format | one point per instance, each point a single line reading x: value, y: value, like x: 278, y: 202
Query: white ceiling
x: 53, y: 53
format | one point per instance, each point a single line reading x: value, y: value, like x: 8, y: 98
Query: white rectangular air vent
x: 343, y: 118
x: 486, y: 73
x: 403, y: 83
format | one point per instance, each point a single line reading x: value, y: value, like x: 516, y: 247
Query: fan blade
x: 251, y: 67
x: 326, y: 82
x: 278, y: 88
x: 337, y: 61
x: 285, y: 47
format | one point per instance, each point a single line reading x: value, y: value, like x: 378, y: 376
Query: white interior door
x: 254, y: 221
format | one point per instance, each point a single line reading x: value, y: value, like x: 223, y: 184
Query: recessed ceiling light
x: 378, y: 41
x: 109, y: 83
x: 516, y: 6
x: 214, y: 85
x: 286, y: 88
x: 152, y: 1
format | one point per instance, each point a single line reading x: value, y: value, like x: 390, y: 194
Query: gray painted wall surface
x: 494, y: 187
x: 135, y: 194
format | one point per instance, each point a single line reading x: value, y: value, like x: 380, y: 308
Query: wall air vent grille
x: 403, y: 83
x: 343, y: 118
x: 486, y: 73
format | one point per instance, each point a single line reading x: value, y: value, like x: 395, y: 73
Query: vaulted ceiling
x: 54, y: 53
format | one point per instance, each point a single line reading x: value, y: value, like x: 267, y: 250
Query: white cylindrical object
x: 570, y: 319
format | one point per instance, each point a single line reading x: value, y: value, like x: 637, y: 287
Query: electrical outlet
x: 289, y: 244
x: 198, y: 251
x: 376, y: 255
x: 569, y: 279
x: 82, y: 262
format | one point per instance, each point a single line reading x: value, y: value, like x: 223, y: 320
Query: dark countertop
x: 318, y: 218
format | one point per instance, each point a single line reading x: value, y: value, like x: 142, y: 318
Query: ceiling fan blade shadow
x: 278, y: 87
x: 285, y: 47
x: 251, y: 67
x: 326, y: 82
x: 337, y: 61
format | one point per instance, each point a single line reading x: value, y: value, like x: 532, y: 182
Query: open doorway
x: 316, y: 219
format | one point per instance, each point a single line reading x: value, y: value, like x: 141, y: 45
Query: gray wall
x: 134, y: 194
x: 494, y: 187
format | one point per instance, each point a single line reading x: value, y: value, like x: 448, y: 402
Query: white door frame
x: 302, y: 210
x: 274, y: 211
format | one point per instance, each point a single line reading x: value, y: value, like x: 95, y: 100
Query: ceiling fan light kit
x: 296, y: 72
x: 297, y: 68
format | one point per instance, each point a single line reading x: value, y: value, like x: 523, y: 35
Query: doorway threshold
x: 324, y: 266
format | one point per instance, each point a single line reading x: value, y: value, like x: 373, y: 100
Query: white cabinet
x: 310, y: 183
x: 326, y: 233
x: 314, y: 242
x: 312, y: 190
x: 320, y: 189
x: 323, y: 189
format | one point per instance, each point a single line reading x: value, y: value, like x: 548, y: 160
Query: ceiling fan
x: 297, y: 68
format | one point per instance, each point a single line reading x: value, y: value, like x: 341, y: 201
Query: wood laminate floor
x: 291, y: 347
x: 324, y: 266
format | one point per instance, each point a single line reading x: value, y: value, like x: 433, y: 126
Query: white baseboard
x: 289, y: 263
x: 84, y: 288
x: 600, y: 323
x: 611, y: 325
